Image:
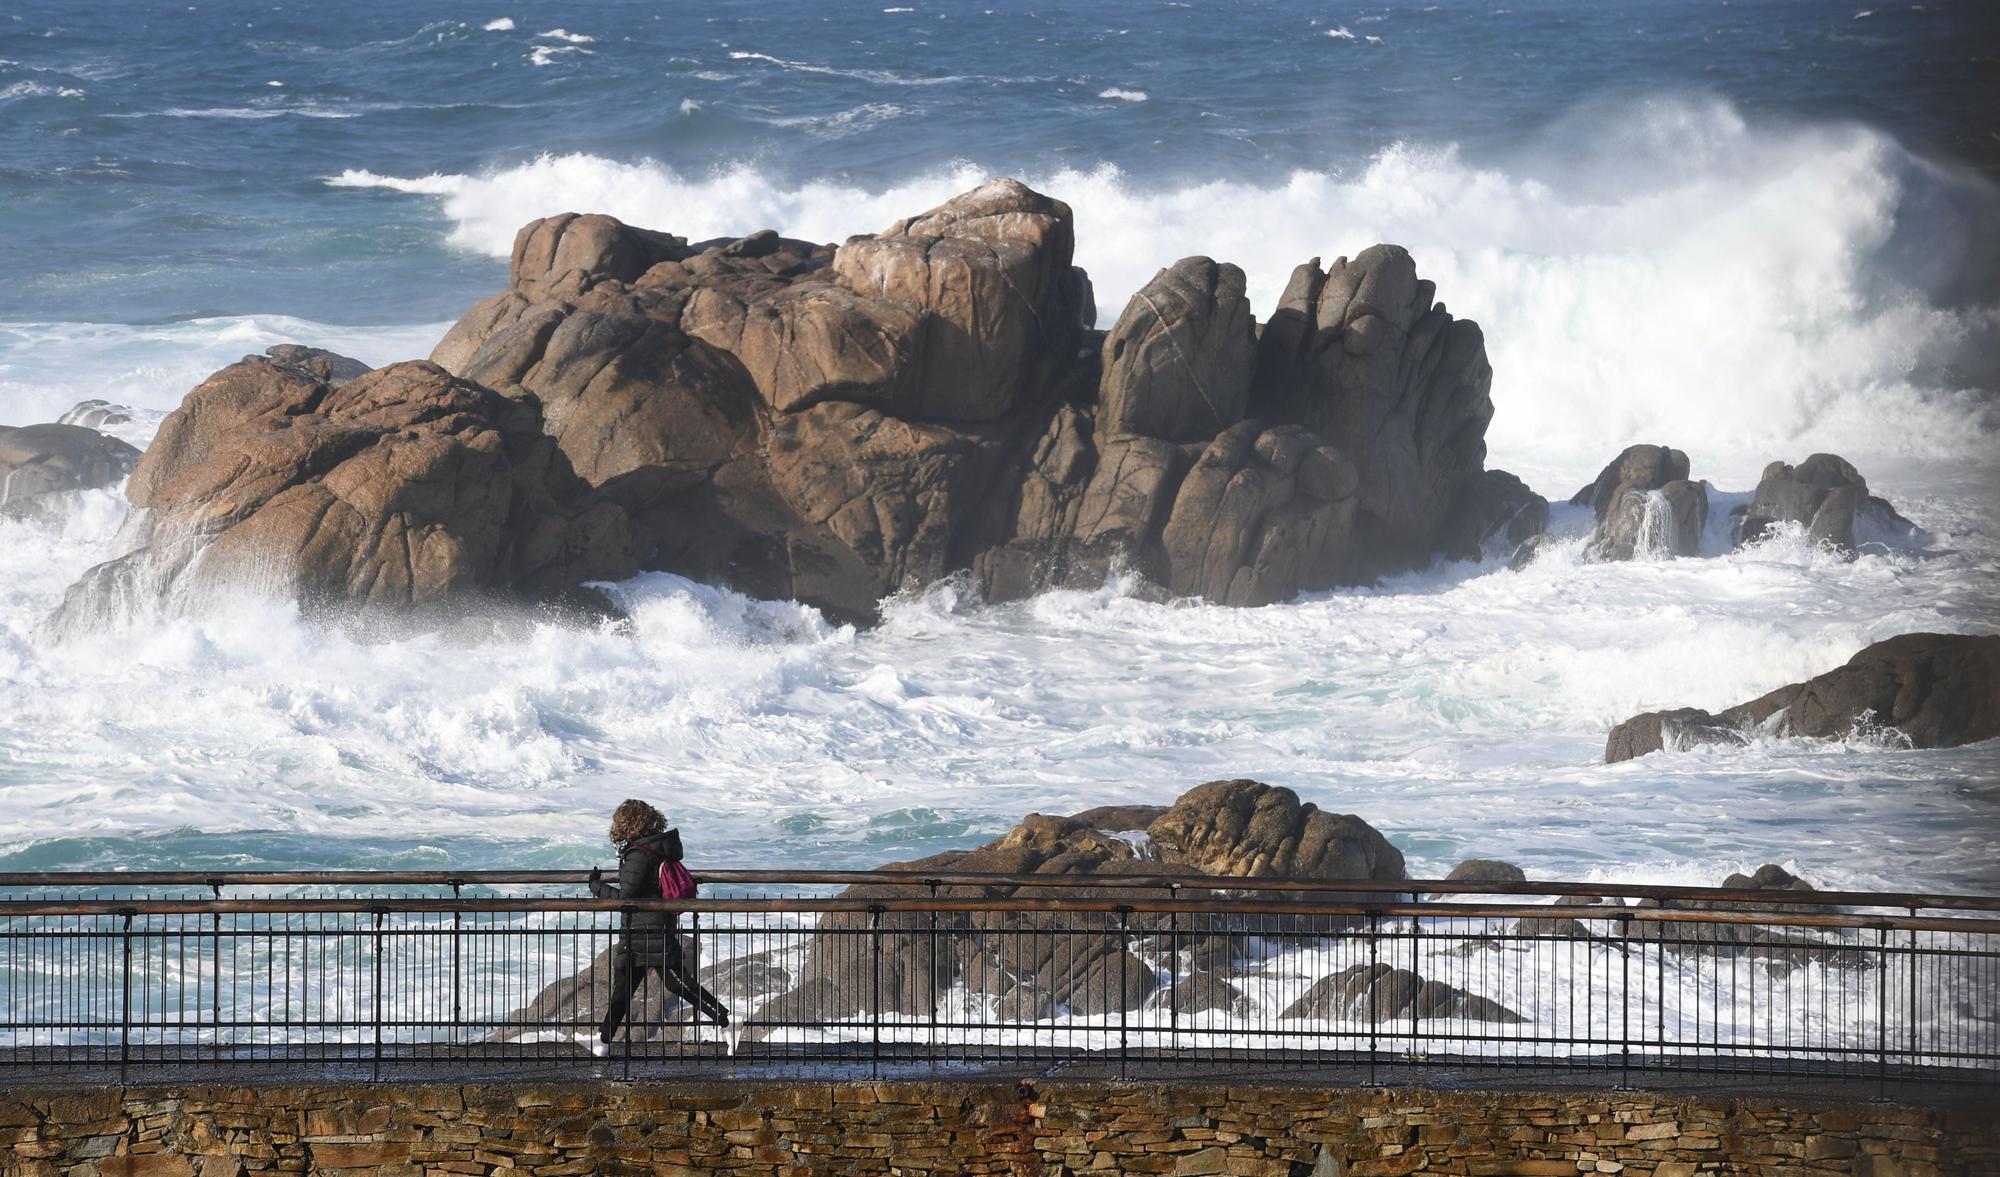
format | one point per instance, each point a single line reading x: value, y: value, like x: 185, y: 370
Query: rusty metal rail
x: 932, y: 880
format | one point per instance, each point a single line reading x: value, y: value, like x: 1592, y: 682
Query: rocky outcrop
x: 38, y: 462
x: 1382, y: 993
x: 1827, y: 496
x: 837, y: 424
x: 1486, y: 870
x: 1361, y: 355
x: 718, y: 392
x: 1645, y: 506
x: 404, y: 488
x: 1238, y: 827
x: 1934, y: 690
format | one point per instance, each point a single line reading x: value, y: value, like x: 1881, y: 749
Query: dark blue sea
x: 1752, y: 230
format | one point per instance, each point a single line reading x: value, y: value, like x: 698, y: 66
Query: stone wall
x: 1056, y: 1128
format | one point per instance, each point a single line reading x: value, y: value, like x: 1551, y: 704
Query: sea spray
x: 1682, y: 269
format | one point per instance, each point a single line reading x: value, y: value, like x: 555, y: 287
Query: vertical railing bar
x: 1374, y: 927
x: 125, y: 1001
x: 1124, y: 991
x: 875, y: 985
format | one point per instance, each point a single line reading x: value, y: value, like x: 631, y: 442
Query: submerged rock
x: 1935, y: 690
x: 1382, y: 993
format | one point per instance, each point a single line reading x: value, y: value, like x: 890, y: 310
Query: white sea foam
x: 1123, y: 95
x: 774, y: 732
x: 880, y: 77
x: 1647, y: 276
x: 551, y: 54
x: 38, y: 90
x: 1340, y: 33
x: 434, y: 184
x: 566, y: 35
x: 504, y: 24
x: 845, y: 122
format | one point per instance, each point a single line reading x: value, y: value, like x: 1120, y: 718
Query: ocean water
x: 1748, y: 230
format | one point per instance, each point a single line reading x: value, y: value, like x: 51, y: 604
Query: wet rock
x: 1492, y: 513
x: 1486, y: 870
x: 38, y: 462
x: 1381, y: 993
x: 1822, y: 493
x: 97, y: 415
x: 1531, y: 550
x: 1025, y: 1002
x: 1222, y: 828
x: 1203, y: 992
x: 1645, y: 506
x: 742, y: 978
x: 1243, y: 827
x: 329, y: 367
x: 1935, y: 690
x: 1363, y: 357
x: 1177, y: 366
x: 1262, y: 514
x: 837, y: 424
x: 404, y: 489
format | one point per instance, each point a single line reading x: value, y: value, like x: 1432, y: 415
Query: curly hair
x: 634, y: 819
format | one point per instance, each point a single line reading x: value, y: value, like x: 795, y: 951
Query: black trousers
x: 656, y: 953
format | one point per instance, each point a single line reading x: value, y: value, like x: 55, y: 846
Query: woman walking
x: 650, y: 941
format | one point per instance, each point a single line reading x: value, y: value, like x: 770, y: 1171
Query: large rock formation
x: 40, y: 461
x: 405, y: 487
x: 1645, y: 506
x: 836, y: 424
x: 1937, y: 690
x: 1235, y: 827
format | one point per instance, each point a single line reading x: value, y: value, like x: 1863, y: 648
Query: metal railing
x: 1139, y: 973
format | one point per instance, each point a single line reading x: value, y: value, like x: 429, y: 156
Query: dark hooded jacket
x: 639, y: 878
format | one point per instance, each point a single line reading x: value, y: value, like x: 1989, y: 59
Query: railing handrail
x: 824, y: 905
x: 1169, y: 882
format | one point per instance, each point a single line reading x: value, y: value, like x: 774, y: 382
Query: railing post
x: 1374, y: 927
x: 1174, y: 972
x: 875, y: 986
x: 930, y: 959
x: 1912, y: 1059
x: 215, y: 987
x: 1882, y: 1014
x: 1124, y: 958
x: 1625, y: 1003
x: 1417, y: 972
x: 375, y: 996
x: 125, y: 1002
x: 457, y: 982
